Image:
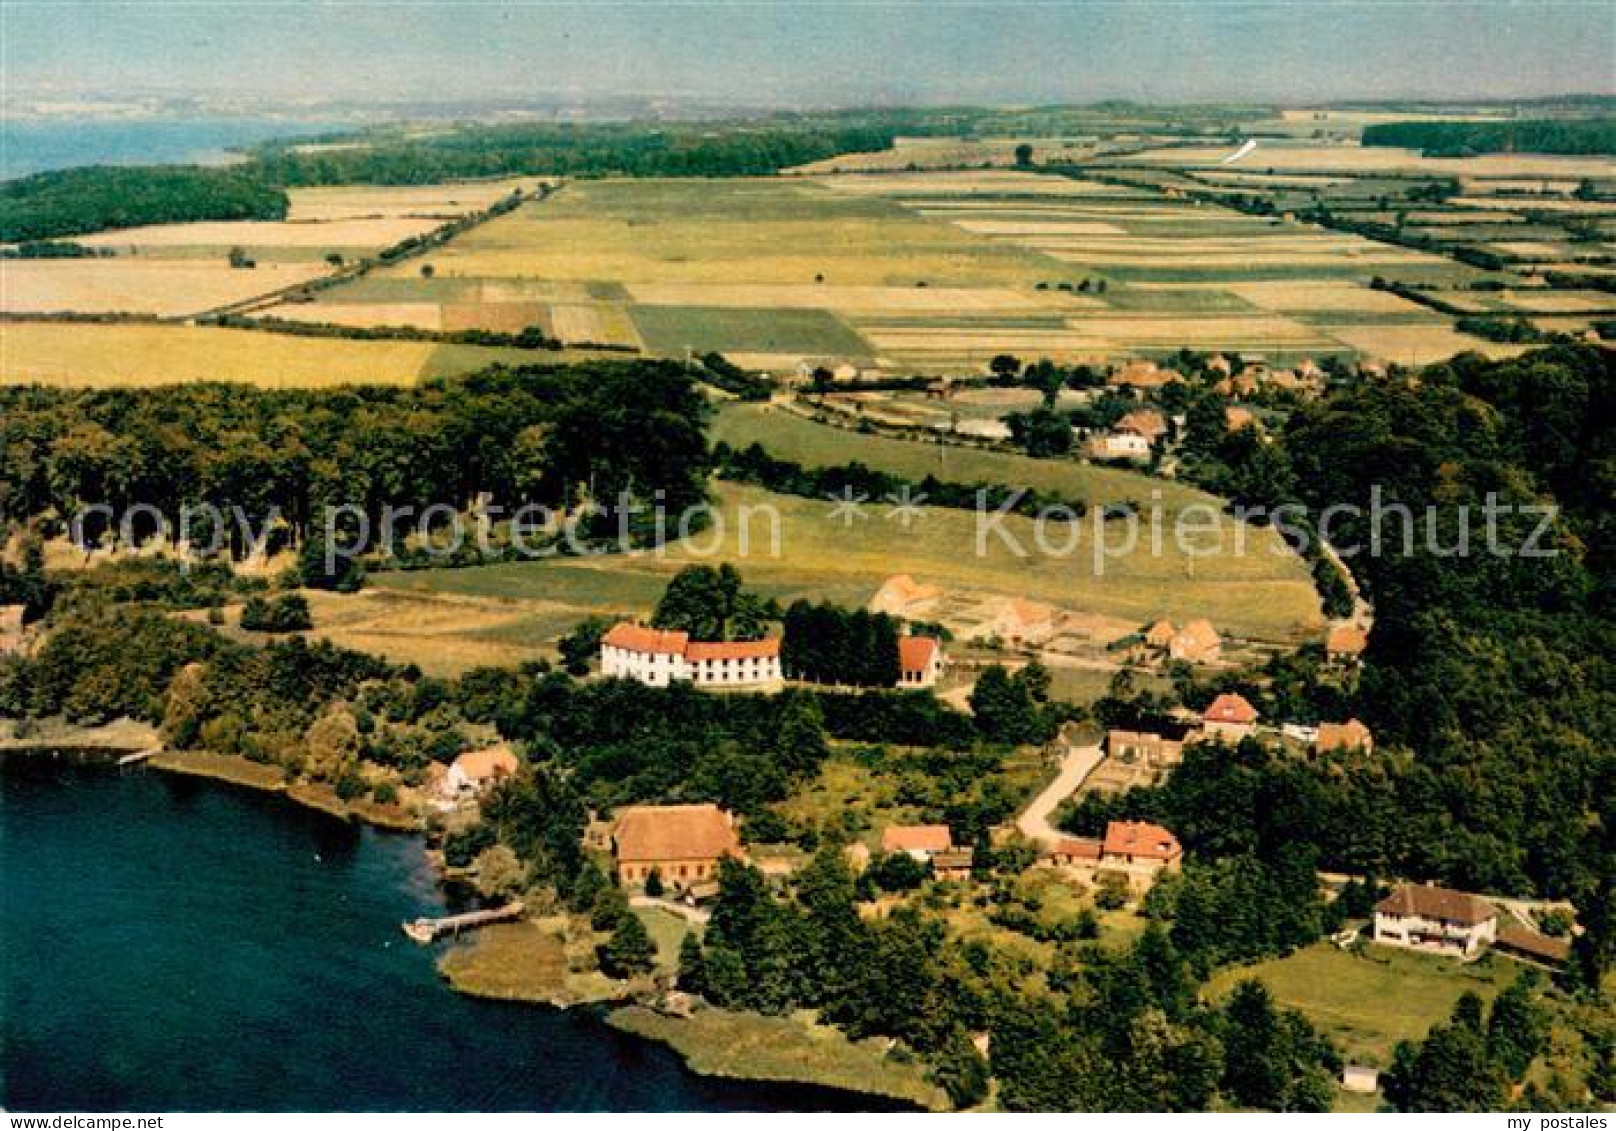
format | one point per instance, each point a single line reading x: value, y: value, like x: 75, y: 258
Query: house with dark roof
x: 1441, y: 920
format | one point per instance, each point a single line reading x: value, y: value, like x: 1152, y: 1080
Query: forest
x: 71, y: 202
x: 549, y: 435
x: 1572, y: 136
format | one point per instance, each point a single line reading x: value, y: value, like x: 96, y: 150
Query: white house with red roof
x: 1230, y: 716
x: 920, y: 661
x: 659, y: 657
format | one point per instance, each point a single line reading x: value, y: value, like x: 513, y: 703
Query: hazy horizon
x: 772, y: 55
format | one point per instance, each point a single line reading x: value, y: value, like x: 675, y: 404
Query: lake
x: 174, y: 944
x: 62, y: 143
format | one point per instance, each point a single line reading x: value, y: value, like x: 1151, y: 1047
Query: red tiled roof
x: 674, y: 832
x: 915, y: 652
x: 1431, y: 902
x: 916, y: 838
x: 1230, y: 708
x: 638, y: 638
x: 1141, y: 838
x: 767, y: 648
x: 1346, y: 640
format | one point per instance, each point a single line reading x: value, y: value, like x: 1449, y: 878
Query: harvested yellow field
x: 1361, y: 159
x: 908, y: 153
x: 499, y: 317
x: 1037, y: 342
x: 1417, y: 345
x: 420, y: 315
x: 352, y: 203
x: 1563, y: 301
x: 1369, y: 255
x: 1040, y: 227
x: 1288, y: 296
x: 1494, y: 202
x: 598, y: 325
x: 1529, y: 249
x: 861, y: 299
x: 380, y: 232
x: 1181, y: 330
x: 166, y: 288
x: 137, y: 354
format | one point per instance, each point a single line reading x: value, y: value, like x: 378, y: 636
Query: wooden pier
x: 425, y: 930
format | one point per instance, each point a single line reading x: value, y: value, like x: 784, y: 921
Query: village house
x: 1145, y: 422
x: 1217, y: 363
x: 1159, y: 635
x: 1235, y: 418
x: 657, y: 658
x: 1345, y: 644
x: 1144, y: 748
x: 1141, y: 375
x: 902, y: 596
x: 1525, y: 945
x: 1140, y: 843
x: 1426, y: 917
x: 1075, y: 852
x: 1350, y: 735
x: 919, y: 842
x: 920, y: 661
x: 477, y: 771
x: 11, y: 633
x: 1360, y: 1078
x: 682, y: 844
x: 955, y: 864
x: 1117, y: 445
x: 1196, y: 643
x: 1022, y: 622
x: 1230, y: 717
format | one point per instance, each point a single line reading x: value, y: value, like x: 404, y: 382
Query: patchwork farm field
x: 931, y: 271
x: 137, y: 354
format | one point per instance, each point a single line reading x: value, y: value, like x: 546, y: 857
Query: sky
x: 811, y: 52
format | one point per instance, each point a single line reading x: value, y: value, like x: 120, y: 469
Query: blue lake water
x: 35, y: 146
x: 173, y: 944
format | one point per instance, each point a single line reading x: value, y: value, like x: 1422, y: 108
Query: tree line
x: 1577, y: 136
x: 70, y: 202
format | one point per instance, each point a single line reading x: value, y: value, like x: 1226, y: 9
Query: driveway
x: 1077, y: 765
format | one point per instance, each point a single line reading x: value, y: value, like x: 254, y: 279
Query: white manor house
x: 659, y: 657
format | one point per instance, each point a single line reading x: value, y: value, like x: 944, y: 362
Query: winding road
x: 1077, y: 765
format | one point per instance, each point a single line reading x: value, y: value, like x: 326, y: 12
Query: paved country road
x: 1078, y: 764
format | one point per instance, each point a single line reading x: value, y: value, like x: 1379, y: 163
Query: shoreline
x: 620, y: 1012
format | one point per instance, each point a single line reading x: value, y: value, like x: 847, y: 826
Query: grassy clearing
x: 1367, y: 1004
x: 529, y: 960
x: 792, y: 437
x: 791, y: 547
x: 674, y: 329
x: 220, y: 767
x: 137, y: 354
x: 748, y: 1046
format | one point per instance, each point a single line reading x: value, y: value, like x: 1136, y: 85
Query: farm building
x: 657, y: 658
x: 1350, y: 735
x: 1118, y: 445
x: 1142, y: 746
x: 1145, y: 422
x: 1345, y: 643
x: 1196, y: 643
x: 1230, y: 716
x: 1426, y: 917
x: 920, y: 661
x: 681, y: 843
x: 479, y: 770
x: 955, y: 864
x: 902, y: 596
x: 922, y: 842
